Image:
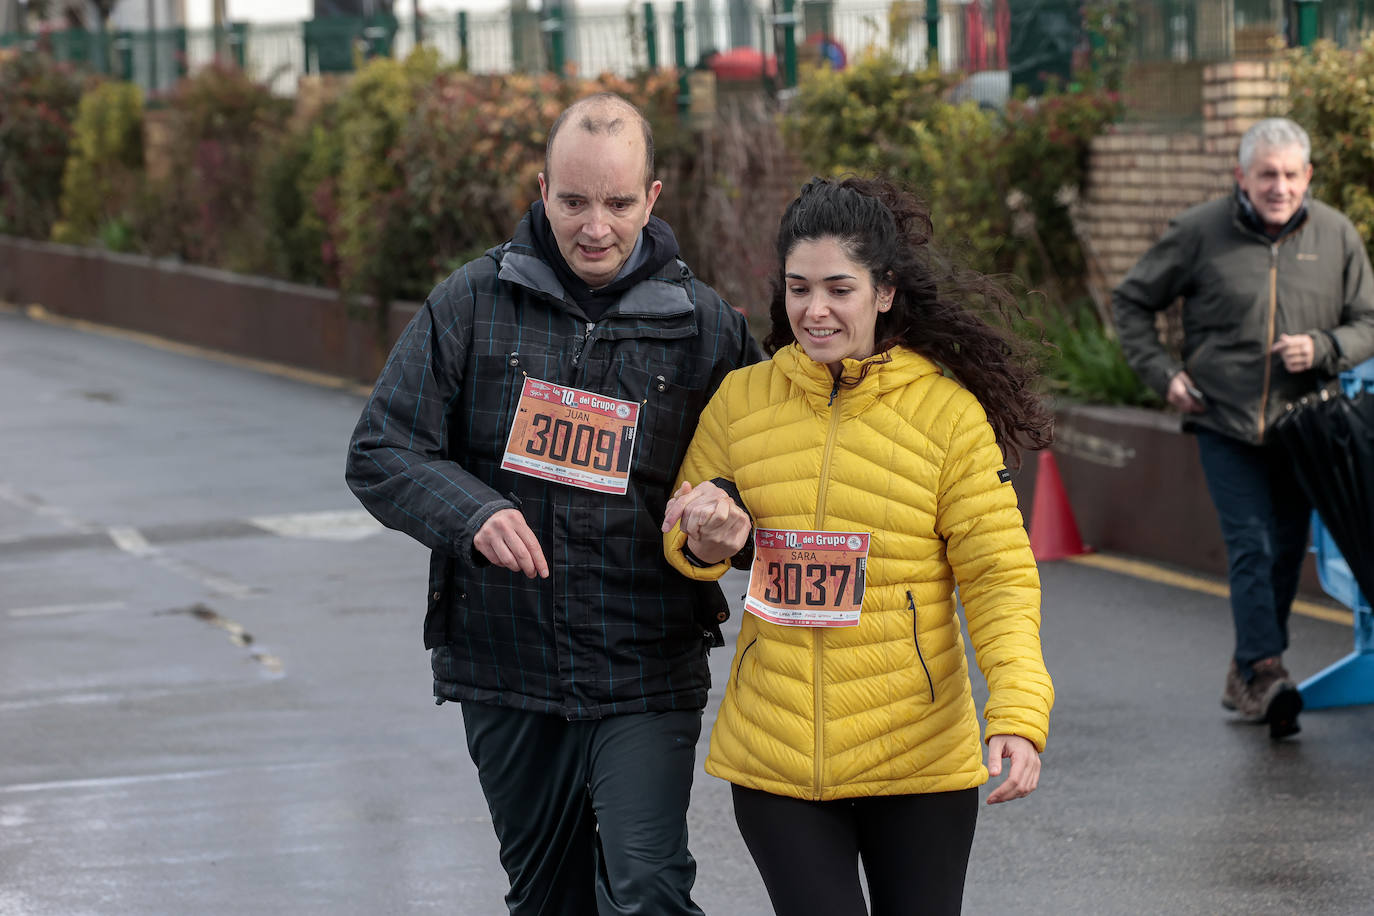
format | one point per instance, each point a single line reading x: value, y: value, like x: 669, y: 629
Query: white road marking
x: 132, y: 541
x: 184, y: 775
x: 104, y: 697
x: 53, y: 610
x: 115, y: 781
x: 342, y: 525
x: 38, y: 507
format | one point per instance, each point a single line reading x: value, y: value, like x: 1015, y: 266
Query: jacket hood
x: 522, y: 261
x: 887, y: 371
x: 656, y: 247
x: 1249, y: 217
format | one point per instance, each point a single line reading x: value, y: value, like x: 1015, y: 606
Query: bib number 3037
x: 570, y: 436
x: 808, y: 578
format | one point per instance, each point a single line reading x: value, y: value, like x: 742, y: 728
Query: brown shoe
x: 1272, y: 693
x: 1235, y: 697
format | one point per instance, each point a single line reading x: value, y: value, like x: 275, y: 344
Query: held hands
x: 507, y: 541
x: 715, y: 525
x: 1025, y: 767
x: 1297, y: 350
x: 1181, y: 394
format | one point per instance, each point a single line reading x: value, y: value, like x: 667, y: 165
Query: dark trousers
x: 914, y: 850
x: 591, y: 815
x: 1264, y: 521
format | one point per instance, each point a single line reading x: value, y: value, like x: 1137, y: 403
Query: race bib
x: 808, y: 578
x: 571, y: 436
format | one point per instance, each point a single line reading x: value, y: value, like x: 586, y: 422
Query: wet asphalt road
x: 214, y: 699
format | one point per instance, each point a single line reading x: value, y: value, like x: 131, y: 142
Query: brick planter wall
x: 1136, y: 487
x: 302, y: 326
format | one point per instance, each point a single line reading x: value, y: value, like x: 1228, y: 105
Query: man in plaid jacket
x: 526, y: 428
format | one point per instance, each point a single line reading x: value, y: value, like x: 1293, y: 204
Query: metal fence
x: 1214, y: 30
x: 621, y: 40
x: 1172, y: 41
x: 1019, y: 41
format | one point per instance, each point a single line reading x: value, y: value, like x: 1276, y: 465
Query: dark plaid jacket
x: 614, y: 629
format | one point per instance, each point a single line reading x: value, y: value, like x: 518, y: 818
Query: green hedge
x: 104, y: 169
x: 1331, y: 93
x: 999, y: 182
x: 382, y: 183
x: 38, y: 102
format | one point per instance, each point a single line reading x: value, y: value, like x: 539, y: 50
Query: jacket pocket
x: 742, y: 656
x: 492, y: 398
x: 916, y: 640
x: 440, y: 599
x: 668, y: 418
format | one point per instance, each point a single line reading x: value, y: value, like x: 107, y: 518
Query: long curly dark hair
x: 938, y: 310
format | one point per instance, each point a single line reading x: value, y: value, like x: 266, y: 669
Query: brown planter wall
x: 302, y: 326
x: 1136, y: 487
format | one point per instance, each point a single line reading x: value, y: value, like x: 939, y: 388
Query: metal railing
x: 620, y: 40
x: 1171, y: 41
x: 972, y: 35
x: 1205, y: 30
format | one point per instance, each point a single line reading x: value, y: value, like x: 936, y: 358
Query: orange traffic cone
x: 1053, y: 532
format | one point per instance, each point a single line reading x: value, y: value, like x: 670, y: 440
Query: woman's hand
x: 716, y: 527
x: 1025, y: 767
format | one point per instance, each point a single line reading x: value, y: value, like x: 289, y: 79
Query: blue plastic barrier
x: 1350, y: 681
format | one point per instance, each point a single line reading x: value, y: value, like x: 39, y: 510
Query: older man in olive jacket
x: 1278, y: 298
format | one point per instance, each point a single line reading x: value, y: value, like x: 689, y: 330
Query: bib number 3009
x: 571, y: 436
x: 578, y: 444
x: 808, y: 578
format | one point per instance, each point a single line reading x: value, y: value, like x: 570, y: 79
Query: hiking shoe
x: 1235, y: 697
x: 1276, y: 697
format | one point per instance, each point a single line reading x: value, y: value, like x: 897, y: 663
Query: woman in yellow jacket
x: 860, y: 475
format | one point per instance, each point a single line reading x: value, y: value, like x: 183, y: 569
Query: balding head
x: 604, y: 114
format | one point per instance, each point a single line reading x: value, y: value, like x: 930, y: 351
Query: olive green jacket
x: 1241, y: 289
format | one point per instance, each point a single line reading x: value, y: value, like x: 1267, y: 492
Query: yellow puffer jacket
x: 885, y: 707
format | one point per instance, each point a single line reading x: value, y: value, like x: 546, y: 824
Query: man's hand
x: 1180, y: 394
x: 716, y: 527
x: 507, y: 541
x: 1297, y: 350
x: 1025, y: 767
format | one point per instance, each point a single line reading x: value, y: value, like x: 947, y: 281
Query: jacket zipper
x: 825, y: 459
x: 740, y: 667
x: 1269, y: 345
x: 818, y: 633
x: 579, y: 350
x: 916, y: 637
x: 581, y: 346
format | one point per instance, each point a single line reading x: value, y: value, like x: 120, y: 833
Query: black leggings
x: 914, y: 849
